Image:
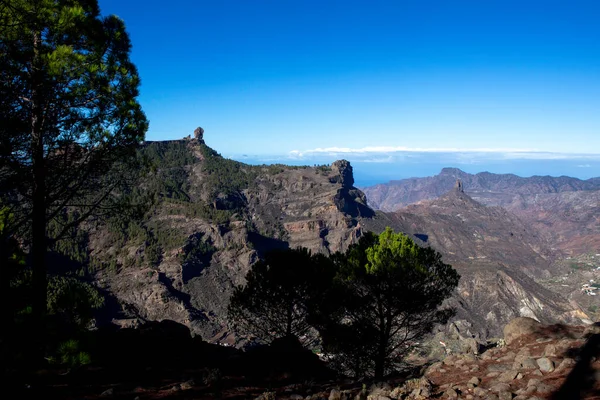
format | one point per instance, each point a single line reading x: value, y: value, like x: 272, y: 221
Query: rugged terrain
x: 498, y: 189
x: 226, y: 216
x: 498, y: 256
x: 556, y: 217
x: 211, y: 218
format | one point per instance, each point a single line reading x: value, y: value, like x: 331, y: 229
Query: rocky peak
x: 456, y: 199
x: 455, y: 172
x: 458, y: 187
x: 199, y: 134
x: 343, y: 173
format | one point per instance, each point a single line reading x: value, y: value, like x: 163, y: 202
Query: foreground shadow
x: 155, y: 359
x: 582, y: 379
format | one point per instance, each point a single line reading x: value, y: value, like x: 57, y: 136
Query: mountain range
x: 211, y: 218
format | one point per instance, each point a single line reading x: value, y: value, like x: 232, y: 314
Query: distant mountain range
x: 564, y: 210
x: 493, y: 189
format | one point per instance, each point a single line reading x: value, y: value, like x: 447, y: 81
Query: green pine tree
x: 68, y: 118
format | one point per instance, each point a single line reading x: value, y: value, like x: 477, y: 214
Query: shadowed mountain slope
x: 208, y: 219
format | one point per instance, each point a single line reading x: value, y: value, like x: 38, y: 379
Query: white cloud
x: 391, y: 153
x: 388, y: 159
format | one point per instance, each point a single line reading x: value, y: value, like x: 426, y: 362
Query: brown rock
x: 475, y: 381
x: 380, y: 389
x: 522, y: 355
x: 500, y: 387
x: 545, y: 364
x: 533, y: 382
x: 566, y: 364
x: 505, y: 396
x: 519, y: 327
x: 508, y: 376
x: 526, y: 391
x: 550, y: 351
x: 187, y: 385
x: 537, y: 372
x: 527, y: 364
x: 398, y: 392
x: 510, y: 356
x: 433, y: 368
x: 449, y: 360
x: 498, y: 367
x: 335, y: 394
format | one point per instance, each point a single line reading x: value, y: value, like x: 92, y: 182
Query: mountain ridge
x: 398, y: 193
x: 212, y: 218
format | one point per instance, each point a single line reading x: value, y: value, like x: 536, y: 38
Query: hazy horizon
x: 418, y: 165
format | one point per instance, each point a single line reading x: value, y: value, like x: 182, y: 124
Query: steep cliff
x: 210, y: 220
x: 207, y: 219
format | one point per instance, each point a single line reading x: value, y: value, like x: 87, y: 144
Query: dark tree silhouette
x: 280, y: 294
x: 69, y: 117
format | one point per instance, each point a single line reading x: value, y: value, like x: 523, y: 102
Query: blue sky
x: 399, y: 88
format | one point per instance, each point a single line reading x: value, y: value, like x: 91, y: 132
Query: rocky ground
x: 535, y: 362
x: 532, y: 361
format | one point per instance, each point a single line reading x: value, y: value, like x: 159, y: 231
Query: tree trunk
x: 383, y: 340
x: 5, y: 305
x: 38, y: 223
x: 289, y: 317
x: 380, y: 361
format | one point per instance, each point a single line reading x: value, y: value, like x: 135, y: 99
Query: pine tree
x: 68, y: 114
x: 394, y: 290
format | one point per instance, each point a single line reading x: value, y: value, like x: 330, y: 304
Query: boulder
x: 508, y: 376
x: 526, y: 363
x: 545, y: 364
x: 187, y: 385
x: 510, y: 356
x: 519, y: 327
x: 475, y: 381
x: 335, y: 394
x: 566, y: 364
x: 380, y: 389
x: 505, y: 395
x: 500, y: 387
x: 550, y: 351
